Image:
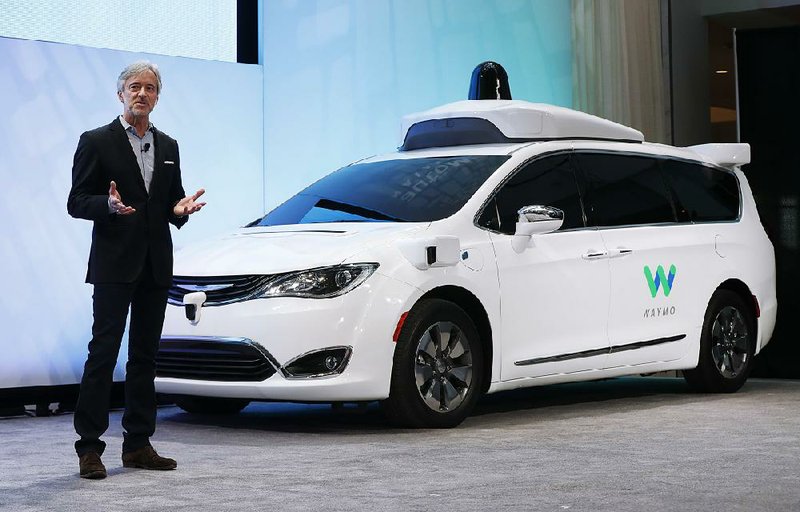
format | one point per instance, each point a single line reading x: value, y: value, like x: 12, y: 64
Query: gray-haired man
x: 126, y: 178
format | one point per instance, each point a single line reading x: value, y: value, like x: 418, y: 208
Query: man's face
x: 139, y: 94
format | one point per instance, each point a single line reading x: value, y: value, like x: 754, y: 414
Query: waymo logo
x: 661, y: 279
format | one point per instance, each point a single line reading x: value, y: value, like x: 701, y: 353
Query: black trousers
x: 147, y: 302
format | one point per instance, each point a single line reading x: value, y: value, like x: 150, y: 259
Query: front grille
x: 217, y: 359
x: 219, y: 290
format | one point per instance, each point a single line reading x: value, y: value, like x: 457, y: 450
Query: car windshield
x: 402, y: 190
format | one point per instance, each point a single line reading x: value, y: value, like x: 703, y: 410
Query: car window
x: 402, y: 190
x: 548, y: 181
x: 623, y: 190
x: 702, y: 193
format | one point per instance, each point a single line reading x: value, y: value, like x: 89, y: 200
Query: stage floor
x: 625, y: 444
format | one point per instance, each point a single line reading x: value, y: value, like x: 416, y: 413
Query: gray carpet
x: 626, y: 444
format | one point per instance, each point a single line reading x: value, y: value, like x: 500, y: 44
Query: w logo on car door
x: 662, y: 280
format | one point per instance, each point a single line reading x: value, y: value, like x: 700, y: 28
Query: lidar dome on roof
x: 523, y: 120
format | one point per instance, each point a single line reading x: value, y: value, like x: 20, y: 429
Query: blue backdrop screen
x: 339, y: 74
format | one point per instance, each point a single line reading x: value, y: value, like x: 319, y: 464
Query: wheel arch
x: 712, y: 374
x: 467, y: 301
x: 742, y: 290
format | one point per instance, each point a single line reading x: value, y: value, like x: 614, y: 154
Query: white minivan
x: 505, y: 244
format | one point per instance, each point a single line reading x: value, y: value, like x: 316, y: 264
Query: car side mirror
x: 535, y: 220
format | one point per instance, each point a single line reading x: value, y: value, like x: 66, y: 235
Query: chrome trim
x: 667, y: 224
x: 257, y: 283
x: 539, y: 213
x: 267, y: 355
x: 343, y: 365
x: 600, y: 351
x: 206, y: 287
x: 282, y: 231
x: 221, y: 339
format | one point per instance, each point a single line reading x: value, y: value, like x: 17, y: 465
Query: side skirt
x: 684, y: 363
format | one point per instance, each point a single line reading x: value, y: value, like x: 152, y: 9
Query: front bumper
x: 285, y: 328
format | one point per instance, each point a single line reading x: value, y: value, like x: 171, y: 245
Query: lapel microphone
x: 146, y: 147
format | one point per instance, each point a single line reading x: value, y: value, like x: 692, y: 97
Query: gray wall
x: 690, y: 73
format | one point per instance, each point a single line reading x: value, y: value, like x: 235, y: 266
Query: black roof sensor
x: 489, y: 82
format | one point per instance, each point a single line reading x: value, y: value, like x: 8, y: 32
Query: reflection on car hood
x: 275, y: 249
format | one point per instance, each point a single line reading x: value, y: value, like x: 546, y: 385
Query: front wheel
x: 210, y: 405
x: 437, y: 373
x: 727, y: 345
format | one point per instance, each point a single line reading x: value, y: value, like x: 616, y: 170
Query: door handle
x: 620, y: 252
x: 591, y: 254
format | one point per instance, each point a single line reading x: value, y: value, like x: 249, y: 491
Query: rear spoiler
x: 725, y: 155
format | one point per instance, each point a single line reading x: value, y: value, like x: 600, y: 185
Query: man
x: 126, y: 178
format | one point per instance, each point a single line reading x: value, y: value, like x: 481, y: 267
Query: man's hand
x: 188, y: 205
x: 115, y: 202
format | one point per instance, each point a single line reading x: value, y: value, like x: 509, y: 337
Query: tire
x: 210, y: 405
x: 437, y: 375
x: 727, y: 345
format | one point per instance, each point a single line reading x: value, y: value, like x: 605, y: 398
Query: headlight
x: 320, y: 283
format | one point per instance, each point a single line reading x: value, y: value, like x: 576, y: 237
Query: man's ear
x: 119, y: 95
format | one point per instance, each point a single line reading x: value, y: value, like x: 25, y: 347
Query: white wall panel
x: 51, y: 94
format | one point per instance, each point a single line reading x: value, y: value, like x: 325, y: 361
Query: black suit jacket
x: 120, y: 243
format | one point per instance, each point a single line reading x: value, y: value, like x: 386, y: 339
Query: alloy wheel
x: 443, y: 366
x: 730, y: 340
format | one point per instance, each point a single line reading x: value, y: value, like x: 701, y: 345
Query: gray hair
x: 136, y: 68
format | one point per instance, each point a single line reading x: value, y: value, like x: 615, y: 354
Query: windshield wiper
x: 329, y: 204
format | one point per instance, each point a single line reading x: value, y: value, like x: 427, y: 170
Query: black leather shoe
x: 147, y: 458
x: 91, y: 466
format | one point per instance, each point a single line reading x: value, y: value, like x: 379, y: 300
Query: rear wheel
x: 210, y: 405
x: 438, y: 367
x: 727, y: 345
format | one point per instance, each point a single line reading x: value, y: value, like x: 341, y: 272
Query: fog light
x: 319, y: 363
x: 331, y: 362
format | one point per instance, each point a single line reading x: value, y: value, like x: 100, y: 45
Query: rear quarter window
x: 702, y: 194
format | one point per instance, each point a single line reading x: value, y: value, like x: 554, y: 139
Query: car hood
x: 275, y: 249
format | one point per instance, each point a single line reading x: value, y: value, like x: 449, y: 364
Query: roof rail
x: 726, y: 155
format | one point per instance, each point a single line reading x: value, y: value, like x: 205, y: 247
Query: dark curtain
x: 769, y: 115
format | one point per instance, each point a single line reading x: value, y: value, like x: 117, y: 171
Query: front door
x: 554, y: 293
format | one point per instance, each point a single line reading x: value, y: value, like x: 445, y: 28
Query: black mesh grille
x: 218, y: 289
x: 217, y: 359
